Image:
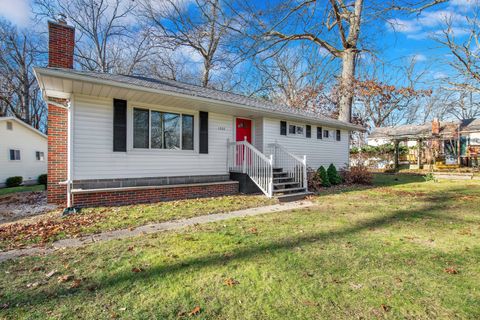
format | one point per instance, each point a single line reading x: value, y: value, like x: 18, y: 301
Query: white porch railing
x: 245, y: 158
x: 295, y: 167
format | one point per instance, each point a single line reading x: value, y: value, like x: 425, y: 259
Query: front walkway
x: 151, y: 228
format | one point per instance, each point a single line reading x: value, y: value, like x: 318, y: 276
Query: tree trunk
x: 206, y: 73
x: 347, y: 82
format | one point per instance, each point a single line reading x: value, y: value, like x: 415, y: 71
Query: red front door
x: 244, y: 129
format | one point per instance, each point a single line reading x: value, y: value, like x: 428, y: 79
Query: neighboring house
x: 116, y: 139
x: 446, y: 143
x: 23, y: 151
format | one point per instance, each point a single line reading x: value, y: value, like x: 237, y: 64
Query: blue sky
x: 400, y: 37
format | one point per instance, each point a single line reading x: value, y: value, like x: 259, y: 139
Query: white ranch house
x: 132, y: 133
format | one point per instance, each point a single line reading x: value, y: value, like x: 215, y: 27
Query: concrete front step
x: 293, y: 196
x: 289, y: 190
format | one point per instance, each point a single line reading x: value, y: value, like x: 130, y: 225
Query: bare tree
x: 383, y: 99
x: 200, y: 27
x: 106, y: 42
x: 298, y: 78
x: 466, y: 61
x: 333, y: 25
x: 19, y: 91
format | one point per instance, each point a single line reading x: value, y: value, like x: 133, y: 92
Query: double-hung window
x: 295, y: 130
x: 162, y: 130
x: 14, y: 155
x: 39, y: 155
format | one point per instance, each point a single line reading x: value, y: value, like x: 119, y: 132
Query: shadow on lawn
x: 435, y: 201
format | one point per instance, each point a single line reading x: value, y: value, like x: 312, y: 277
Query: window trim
x: 193, y: 114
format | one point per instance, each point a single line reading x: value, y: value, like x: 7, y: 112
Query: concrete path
x: 151, y: 228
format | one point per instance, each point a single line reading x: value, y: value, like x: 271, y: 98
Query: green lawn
x: 36, y: 187
x: 403, y: 249
x: 53, y: 226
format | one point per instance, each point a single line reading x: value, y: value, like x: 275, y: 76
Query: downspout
x: 69, y: 153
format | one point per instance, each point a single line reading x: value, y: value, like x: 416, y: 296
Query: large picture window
x: 162, y: 130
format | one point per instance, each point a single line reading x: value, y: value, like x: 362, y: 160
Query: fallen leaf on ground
x: 65, y: 278
x: 136, y: 269
x: 451, y: 270
x: 195, y: 311
x: 51, y: 273
x: 386, y: 308
x: 253, y: 230
x: 35, y: 284
x: 76, y: 283
x: 37, y: 268
x: 231, y: 282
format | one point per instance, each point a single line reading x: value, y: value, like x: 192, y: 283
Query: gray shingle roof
x: 425, y: 130
x: 201, y: 92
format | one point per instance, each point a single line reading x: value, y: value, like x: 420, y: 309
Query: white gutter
x: 79, y: 77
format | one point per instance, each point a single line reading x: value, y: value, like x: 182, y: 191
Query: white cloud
x: 440, y: 75
x: 418, y: 57
x: 403, y: 26
x: 431, y: 23
x: 16, y: 11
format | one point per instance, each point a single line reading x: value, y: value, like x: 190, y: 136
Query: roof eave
x: 39, y: 72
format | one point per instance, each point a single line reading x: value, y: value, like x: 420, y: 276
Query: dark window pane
x: 12, y: 154
x: 308, y: 131
x: 339, y: 135
x: 140, y: 128
x: 283, y: 128
x: 319, y: 132
x: 326, y: 133
x: 299, y: 130
x: 157, y: 130
x: 171, y: 127
x: 187, y: 132
x: 291, y: 129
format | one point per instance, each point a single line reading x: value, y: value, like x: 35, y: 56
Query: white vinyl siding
x: 258, y: 134
x: 93, y: 156
x: 27, y: 142
x: 318, y: 151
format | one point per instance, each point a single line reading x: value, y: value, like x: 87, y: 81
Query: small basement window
x: 9, y: 125
x: 14, y: 155
x: 40, y: 156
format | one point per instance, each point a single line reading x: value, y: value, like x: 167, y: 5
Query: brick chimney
x: 61, y: 43
x: 435, y: 127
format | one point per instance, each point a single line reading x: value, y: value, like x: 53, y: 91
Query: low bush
x: 42, y: 179
x: 14, y: 181
x: 357, y: 175
x: 314, y: 181
x: 333, y: 175
x: 324, y: 177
